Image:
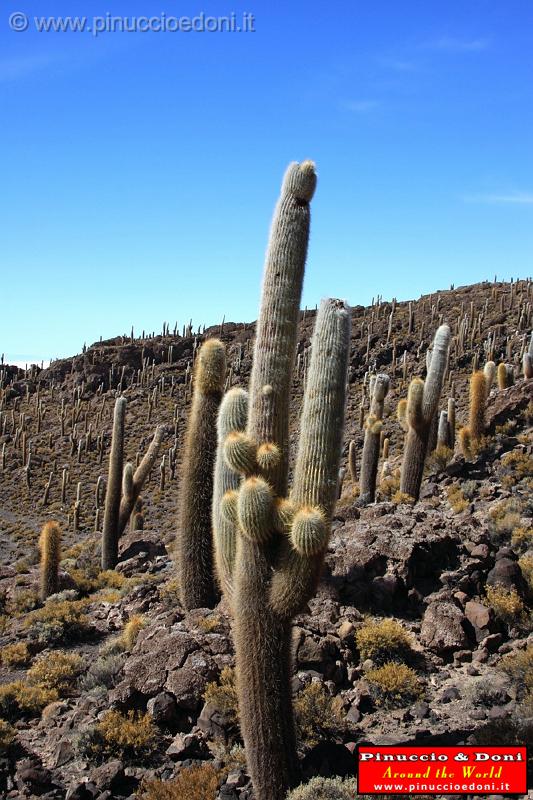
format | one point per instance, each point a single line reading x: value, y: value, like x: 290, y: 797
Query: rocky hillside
x: 421, y: 628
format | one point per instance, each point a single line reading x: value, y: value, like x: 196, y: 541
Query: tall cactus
x: 50, y: 547
x: 373, y: 428
x: 110, y: 534
x: 194, y: 543
x: 123, y: 485
x: 423, y: 399
x: 478, y: 397
x: 281, y: 539
x: 232, y: 417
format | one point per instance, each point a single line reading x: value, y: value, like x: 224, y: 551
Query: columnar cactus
x: 371, y: 447
x: 123, y: 485
x: 110, y: 535
x: 527, y: 364
x: 478, y: 395
x: 422, y: 401
x: 489, y: 370
x: 194, y: 543
x: 232, y: 417
x: 281, y: 538
x: 50, y: 547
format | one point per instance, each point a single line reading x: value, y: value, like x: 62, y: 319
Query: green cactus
x: 194, y: 543
x: 422, y: 401
x: 50, y: 548
x: 280, y: 539
x: 371, y: 446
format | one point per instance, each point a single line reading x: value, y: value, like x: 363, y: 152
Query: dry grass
x: 507, y: 604
x: 514, y: 467
x: 318, y: 715
x: 223, y: 694
x: 55, y: 670
x: 15, y: 655
x: 458, y: 502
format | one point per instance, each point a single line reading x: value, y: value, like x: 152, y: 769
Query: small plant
x: 19, y: 698
x: 23, y: 601
x: 169, y: 592
x: 57, y: 621
x: 223, y: 695
x: 402, y: 499
x: 521, y: 538
x: 526, y: 565
x: 325, y: 789
x: 7, y: 737
x: 389, y: 485
x: 505, y: 517
x: 519, y: 667
x: 193, y: 783
x: 456, y: 499
x: 132, y: 628
x: 514, y: 467
x: 394, y: 685
x: 103, y: 672
x: 507, y: 604
x: 209, y: 624
x: 382, y: 641
x: 15, y: 655
x: 440, y: 457
x: 55, y: 670
x: 318, y: 715
x: 132, y: 738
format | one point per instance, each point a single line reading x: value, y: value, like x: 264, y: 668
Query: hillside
x: 455, y: 571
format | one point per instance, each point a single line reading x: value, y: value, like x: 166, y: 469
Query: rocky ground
x: 142, y: 690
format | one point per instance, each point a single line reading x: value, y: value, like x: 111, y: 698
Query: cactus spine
x: 50, y: 547
x: 422, y: 402
x: 281, y: 540
x: 113, y: 492
x: 371, y: 447
x: 194, y: 545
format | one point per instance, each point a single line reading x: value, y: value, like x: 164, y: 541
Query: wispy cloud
x: 398, y: 64
x: 361, y: 106
x: 11, y: 69
x: 454, y: 45
x: 507, y: 199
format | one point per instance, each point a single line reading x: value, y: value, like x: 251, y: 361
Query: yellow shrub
x: 390, y: 485
x: 394, y: 685
x: 109, y: 579
x: 456, y: 499
x: 317, y: 714
x: 131, y: 630
x: 15, y: 655
x: 194, y: 783
x: 507, y: 604
x: 134, y: 735
x: 526, y: 565
x: 209, y: 624
x: 57, y: 620
x: 223, y: 694
x: 55, y: 670
x: 401, y: 498
x: 20, y: 698
x: 440, y: 457
x: 383, y: 640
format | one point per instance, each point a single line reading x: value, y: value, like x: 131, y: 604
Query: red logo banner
x: 441, y: 770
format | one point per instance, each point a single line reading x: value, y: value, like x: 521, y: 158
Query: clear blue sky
x: 139, y: 171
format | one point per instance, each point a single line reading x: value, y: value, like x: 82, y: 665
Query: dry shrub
x: 318, y: 715
x: 507, y: 604
x: 209, y: 624
x: 57, y: 621
x: 505, y: 517
x: 132, y: 738
x: 19, y: 698
x: 222, y: 695
x: 383, y: 640
x: 132, y: 628
x: 521, y: 538
x: 514, y: 467
x: 394, y: 685
x: 193, y: 783
x: 402, y: 499
x: 390, y: 485
x: 325, y: 789
x: 56, y: 670
x: 519, y: 667
x: 440, y: 458
x: 15, y: 655
x: 456, y: 499
x: 526, y: 565
x: 169, y: 592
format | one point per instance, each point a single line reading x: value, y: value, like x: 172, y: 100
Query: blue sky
x: 140, y: 170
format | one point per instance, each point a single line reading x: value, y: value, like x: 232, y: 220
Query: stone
x: 443, y: 628
x: 163, y: 708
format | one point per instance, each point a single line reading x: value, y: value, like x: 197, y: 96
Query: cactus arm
x: 436, y: 372
x: 127, y: 503
x: 373, y: 427
x: 232, y: 417
x: 317, y: 462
